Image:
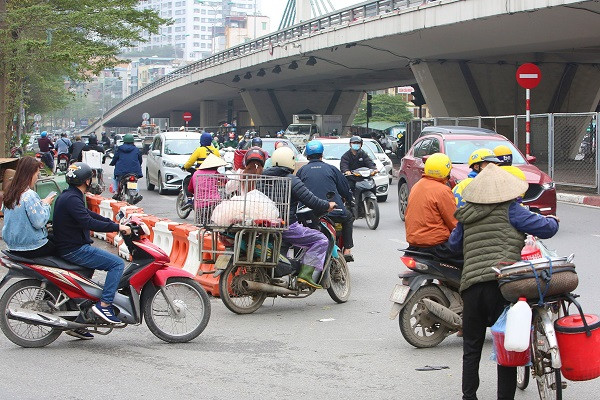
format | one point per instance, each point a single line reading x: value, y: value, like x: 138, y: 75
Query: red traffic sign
x: 528, y: 75
x: 187, y: 116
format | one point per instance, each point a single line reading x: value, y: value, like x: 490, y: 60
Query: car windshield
x: 374, y: 146
x: 335, y: 151
x: 299, y: 129
x: 177, y: 147
x: 459, y: 150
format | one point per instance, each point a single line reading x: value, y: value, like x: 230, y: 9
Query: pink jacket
x: 206, y: 190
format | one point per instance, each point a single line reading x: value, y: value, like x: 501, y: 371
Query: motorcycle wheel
x: 180, y: 203
x: 523, y: 374
x: 339, y: 276
x: 371, y: 213
x: 416, y: 325
x: 29, y: 295
x: 194, y: 306
x: 233, y: 294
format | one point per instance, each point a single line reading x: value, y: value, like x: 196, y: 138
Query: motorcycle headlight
x: 382, y: 172
x: 548, y: 186
x: 169, y: 164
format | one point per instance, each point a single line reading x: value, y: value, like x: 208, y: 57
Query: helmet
x: 205, y: 139
x: 78, y: 173
x: 504, y: 154
x: 284, y: 157
x: 254, y: 134
x: 279, y: 143
x: 438, y: 166
x: 255, y: 154
x: 256, y: 142
x: 44, y: 134
x: 93, y: 140
x: 182, y: 128
x: 64, y: 134
x: 481, y: 155
x: 280, y: 134
x: 128, y: 138
x: 515, y: 171
x: 314, y: 147
x: 247, y: 135
x: 356, y: 139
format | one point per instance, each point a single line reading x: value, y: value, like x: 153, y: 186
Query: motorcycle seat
x: 50, y: 261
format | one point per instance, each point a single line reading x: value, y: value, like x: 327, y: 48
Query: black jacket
x: 321, y: 178
x: 300, y: 193
x: 73, y: 222
x: 75, y: 150
x: 93, y: 145
x: 350, y: 162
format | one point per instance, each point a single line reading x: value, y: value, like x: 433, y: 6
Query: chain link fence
x: 564, y: 145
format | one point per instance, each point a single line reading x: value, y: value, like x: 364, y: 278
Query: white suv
x: 168, y: 151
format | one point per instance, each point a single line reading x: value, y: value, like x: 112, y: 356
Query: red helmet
x: 255, y: 154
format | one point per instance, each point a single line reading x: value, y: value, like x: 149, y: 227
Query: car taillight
x: 132, y: 178
x: 409, y: 262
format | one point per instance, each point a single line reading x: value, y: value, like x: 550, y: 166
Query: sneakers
x: 80, y: 334
x: 106, y: 313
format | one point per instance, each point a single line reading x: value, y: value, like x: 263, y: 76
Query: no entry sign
x: 187, y: 116
x: 528, y: 76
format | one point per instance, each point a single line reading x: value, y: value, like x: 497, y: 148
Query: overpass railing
x: 564, y: 144
x: 346, y: 16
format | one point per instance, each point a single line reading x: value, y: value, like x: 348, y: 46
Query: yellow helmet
x: 504, y: 154
x: 514, y: 171
x: 481, y: 155
x: 438, y: 166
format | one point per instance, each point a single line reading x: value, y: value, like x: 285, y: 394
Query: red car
x: 458, y: 142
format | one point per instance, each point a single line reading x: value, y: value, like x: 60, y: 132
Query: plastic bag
x: 255, y: 205
x: 498, y: 330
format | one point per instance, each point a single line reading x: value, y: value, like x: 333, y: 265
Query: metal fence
x: 564, y: 144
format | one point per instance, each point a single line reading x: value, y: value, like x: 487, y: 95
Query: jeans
x: 311, y: 239
x: 44, y: 251
x: 94, y: 258
x: 483, y: 304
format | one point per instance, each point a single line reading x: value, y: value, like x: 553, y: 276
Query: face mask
x: 355, y: 147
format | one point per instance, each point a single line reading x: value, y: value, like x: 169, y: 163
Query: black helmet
x: 78, y: 173
x: 356, y: 139
x: 93, y: 140
x: 256, y: 142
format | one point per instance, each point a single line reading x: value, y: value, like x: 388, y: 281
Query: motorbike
x: 268, y: 271
x: 128, y: 189
x: 16, y: 152
x: 63, y: 162
x: 185, y: 200
x: 47, y: 157
x: 365, y: 195
x: 427, y: 299
x: 51, y: 296
x: 228, y: 154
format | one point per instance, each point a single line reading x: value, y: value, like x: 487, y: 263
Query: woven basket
x: 522, y: 283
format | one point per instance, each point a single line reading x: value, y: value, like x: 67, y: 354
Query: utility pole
x: 3, y: 85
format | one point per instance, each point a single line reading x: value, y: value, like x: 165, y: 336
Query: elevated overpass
x: 463, y: 54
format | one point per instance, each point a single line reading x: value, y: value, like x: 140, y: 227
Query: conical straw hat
x: 212, y: 161
x: 494, y: 185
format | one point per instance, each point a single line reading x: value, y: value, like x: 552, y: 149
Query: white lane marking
x: 402, y: 242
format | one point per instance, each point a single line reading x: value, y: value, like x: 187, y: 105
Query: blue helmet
x: 256, y: 142
x: 44, y: 134
x: 314, y: 147
x: 205, y: 139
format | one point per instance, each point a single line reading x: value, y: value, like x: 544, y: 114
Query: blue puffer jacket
x: 127, y: 160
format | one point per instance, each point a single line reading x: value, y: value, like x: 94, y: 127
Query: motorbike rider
x: 62, y: 145
x: 201, y: 152
x: 504, y: 154
x: 244, y: 141
x: 429, y: 217
x: 478, y: 160
x: 105, y: 141
x: 355, y: 158
x: 322, y: 178
x: 316, y: 243
x: 46, y: 145
x: 73, y: 221
x: 253, y: 164
x: 231, y: 142
x: 127, y: 160
x: 93, y: 144
x: 76, y: 149
x: 494, y: 221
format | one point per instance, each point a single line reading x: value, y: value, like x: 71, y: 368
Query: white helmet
x: 284, y: 157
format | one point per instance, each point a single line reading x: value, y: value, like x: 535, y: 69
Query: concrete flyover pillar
x: 209, y: 113
x: 264, y: 108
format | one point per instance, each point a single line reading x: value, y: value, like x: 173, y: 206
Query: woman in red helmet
x: 254, y: 163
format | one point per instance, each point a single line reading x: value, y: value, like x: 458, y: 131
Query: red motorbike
x: 51, y: 296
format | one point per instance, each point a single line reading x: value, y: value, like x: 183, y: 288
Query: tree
x: 45, y: 41
x: 385, y: 108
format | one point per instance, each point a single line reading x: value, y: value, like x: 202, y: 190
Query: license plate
x: 399, y: 293
x: 222, y: 261
x: 131, y: 185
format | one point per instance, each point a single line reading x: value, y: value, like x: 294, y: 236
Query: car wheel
x: 161, y: 189
x: 402, y: 198
x: 149, y: 185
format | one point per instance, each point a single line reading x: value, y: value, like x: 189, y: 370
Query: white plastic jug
x: 518, y: 326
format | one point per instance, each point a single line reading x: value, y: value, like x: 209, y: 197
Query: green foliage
x: 385, y: 108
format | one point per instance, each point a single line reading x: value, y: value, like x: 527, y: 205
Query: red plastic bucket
x: 509, y: 358
x: 580, y: 354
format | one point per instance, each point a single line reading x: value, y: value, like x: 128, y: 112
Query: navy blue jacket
x: 321, y: 178
x: 300, y: 193
x: 73, y: 222
x: 521, y: 219
x: 127, y: 160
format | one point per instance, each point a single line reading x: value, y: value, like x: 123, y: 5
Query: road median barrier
x: 163, y: 235
x: 181, y: 245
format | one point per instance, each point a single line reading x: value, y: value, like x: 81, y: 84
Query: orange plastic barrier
x: 150, y: 221
x: 116, y: 207
x: 110, y: 237
x: 205, y: 273
x: 93, y: 202
x: 132, y: 210
x: 181, y: 245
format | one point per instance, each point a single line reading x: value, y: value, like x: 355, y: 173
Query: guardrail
x: 337, y: 18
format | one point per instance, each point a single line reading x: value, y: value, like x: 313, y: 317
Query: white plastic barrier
x: 192, y: 262
x: 106, y: 209
x: 163, y: 237
x: 124, y: 252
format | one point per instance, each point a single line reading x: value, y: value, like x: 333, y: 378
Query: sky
x: 274, y: 9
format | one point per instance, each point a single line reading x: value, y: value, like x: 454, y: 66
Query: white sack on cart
x: 245, y: 209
